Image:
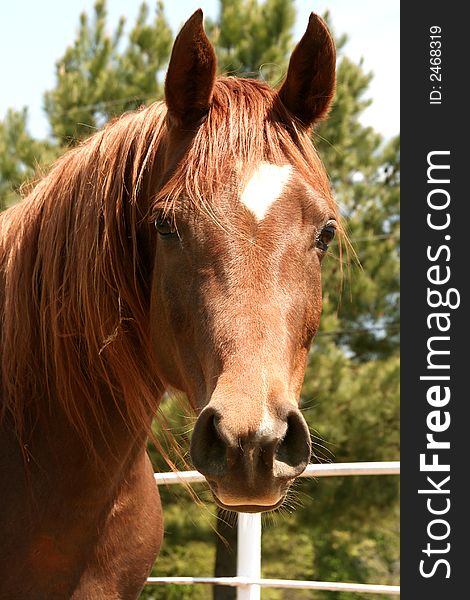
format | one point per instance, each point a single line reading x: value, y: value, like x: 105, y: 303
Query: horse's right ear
x: 191, y: 73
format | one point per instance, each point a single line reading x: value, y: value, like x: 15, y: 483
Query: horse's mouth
x: 247, y: 508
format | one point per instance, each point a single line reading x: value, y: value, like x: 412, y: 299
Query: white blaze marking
x: 264, y: 188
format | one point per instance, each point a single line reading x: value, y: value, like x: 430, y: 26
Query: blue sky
x: 35, y: 33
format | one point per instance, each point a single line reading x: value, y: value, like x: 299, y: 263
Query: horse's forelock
x: 247, y: 124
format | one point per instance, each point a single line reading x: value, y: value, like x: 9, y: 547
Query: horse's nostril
x: 208, y: 450
x: 294, y: 450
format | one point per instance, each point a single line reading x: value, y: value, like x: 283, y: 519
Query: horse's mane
x: 74, y: 281
x: 75, y: 291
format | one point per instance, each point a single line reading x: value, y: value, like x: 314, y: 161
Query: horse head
x: 244, y: 216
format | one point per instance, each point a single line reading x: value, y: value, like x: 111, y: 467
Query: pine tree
x: 20, y: 155
x: 253, y: 39
x: 97, y: 81
x: 365, y: 179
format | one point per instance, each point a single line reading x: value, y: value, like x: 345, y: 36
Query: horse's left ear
x: 309, y: 86
x: 191, y: 73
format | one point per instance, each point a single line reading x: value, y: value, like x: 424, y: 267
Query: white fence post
x: 249, y: 554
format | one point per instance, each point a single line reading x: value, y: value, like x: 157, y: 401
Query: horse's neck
x: 64, y: 503
x: 53, y: 457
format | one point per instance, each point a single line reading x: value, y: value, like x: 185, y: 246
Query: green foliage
x: 188, y: 548
x: 20, y: 155
x: 96, y: 80
x: 345, y: 528
x: 362, y: 299
x: 253, y: 39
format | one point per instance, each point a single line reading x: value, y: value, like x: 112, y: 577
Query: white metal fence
x: 248, y: 580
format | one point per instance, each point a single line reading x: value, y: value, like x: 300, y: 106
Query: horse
x: 180, y: 247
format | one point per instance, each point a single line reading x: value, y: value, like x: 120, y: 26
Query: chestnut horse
x: 178, y: 247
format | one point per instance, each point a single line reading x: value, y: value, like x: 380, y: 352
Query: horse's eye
x: 326, y: 236
x: 165, y: 226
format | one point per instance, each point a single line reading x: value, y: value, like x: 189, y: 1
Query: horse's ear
x: 191, y: 73
x: 309, y: 86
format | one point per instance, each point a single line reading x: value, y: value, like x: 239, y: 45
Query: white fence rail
x: 248, y: 580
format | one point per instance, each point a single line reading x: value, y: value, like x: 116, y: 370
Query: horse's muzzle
x: 250, y: 470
